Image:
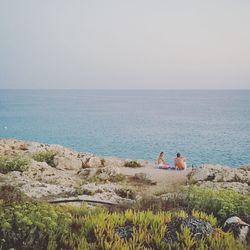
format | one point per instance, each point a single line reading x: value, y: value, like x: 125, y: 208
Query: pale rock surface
x: 95, y: 162
x: 67, y: 163
x: 107, y: 173
x: 113, y: 162
x: 218, y: 176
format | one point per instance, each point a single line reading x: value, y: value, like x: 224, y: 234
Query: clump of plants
x: 45, y: 156
x: 127, y: 193
x: 31, y: 225
x: 10, y: 194
x: 117, y: 178
x: 132, y: 164
x: 82, y: 191
x: 222, y: 203
x: 13, y: 163
x: 107, y: 175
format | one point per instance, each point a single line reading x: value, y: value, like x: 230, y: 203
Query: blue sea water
x: 205, y: 126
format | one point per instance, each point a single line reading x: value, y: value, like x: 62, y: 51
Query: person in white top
x: 161, y: 162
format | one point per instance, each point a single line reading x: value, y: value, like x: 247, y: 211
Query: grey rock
x: 125, y: 232
x: 199, y: 229
x: 239, y: 228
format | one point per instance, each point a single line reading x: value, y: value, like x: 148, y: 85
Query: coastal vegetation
x: 45, y: 156
x: 27, y: 223
x: 13, y: 163
x: 142, y: 208
x: 132, y: 164
x: 221, y: 203
x: 21, y: 163
x: 126, y: 192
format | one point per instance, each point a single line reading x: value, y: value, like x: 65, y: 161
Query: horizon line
x: 123, y: 89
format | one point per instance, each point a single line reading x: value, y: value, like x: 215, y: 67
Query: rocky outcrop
x: 218, y: 176
x: 67, y: 173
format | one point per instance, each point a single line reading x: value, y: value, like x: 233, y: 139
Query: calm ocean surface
x: 205, y: 126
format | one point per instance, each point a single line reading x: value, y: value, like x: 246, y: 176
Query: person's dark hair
x: 178, y: 154
x: 161, y: 153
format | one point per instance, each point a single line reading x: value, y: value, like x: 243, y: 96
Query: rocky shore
x: 73, y: 174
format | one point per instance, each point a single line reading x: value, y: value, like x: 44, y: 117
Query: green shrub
x: 13, y: 163
x: 117, y: 178
x: 10, y: 194
x: 30, y: 225
x: 45, y: 156
x: 221, y: 203
x: 132, y: 164
x: 82, y: 191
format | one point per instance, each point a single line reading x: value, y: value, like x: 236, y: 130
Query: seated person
x: 161, y: 162
x: 180, y: 162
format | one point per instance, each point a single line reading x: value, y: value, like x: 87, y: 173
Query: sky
x: 125, y: 44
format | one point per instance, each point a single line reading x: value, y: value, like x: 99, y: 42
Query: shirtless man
x: 180, y: 162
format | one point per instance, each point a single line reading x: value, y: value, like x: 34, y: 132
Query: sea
x: 206, y: 126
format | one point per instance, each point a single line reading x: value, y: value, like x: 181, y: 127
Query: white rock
x: 67, y: 163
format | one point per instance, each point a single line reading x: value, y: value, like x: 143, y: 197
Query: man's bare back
x: 180, y: 162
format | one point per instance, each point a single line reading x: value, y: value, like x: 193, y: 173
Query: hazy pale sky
x: 125, y: 44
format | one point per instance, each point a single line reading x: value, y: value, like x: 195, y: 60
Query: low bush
x: 10, y: 194
x: 45, y: 156
x: 127, y: 193
x: 117, y: 178
x: 132, y: 164
x: 82, y: 191
x: 221, y: 203
x: 30, y: 225
x: 13, y: 163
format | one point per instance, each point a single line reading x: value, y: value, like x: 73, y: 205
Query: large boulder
x: 198, y: 228
x: 239, y: 228
x: 67, y: 163
x: 96, y: 162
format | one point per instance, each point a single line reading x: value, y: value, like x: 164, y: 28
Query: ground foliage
x: 30, y: 224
